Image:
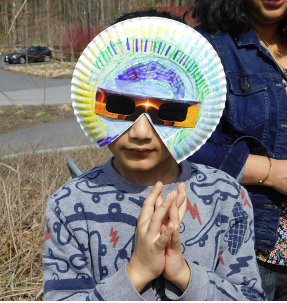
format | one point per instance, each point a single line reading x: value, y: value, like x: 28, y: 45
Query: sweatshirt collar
x: 128, y: 186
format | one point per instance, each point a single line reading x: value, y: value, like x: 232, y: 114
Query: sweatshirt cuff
x: 197, y: 289
x: 119, y: 288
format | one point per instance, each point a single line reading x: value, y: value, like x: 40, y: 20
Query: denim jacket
x: 254, y: 121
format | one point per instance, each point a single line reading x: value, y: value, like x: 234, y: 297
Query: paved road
x: 65, y: 134
x: 22, y: 89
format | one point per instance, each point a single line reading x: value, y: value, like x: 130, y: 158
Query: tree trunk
x: 48, y: 22
x: 89, y: 20
x: 35, y: 13
x: 5, y: 18
x: 26, y: 23
x: 14, y: 26
x: 102, y: 13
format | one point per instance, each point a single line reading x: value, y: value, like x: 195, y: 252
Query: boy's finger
x: 182, y: 208
x: 181, y: 200
x: 159, y: 214
x: 163, y: 239
x: 175, y: 242
x: 158, y: 202
x: 173, y: 210
x: 162, y: 228
x: 148, y: 205
x: 181, y: 194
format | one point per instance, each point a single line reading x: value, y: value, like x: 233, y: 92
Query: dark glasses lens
x: 161, y: 111
x: 121, y: 105
x: 173, y: 111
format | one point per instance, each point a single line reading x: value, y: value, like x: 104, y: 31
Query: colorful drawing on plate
x: 151, y: 58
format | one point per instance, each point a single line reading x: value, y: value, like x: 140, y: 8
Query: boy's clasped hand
x: 157, y: 248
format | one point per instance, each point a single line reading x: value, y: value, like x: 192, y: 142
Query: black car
x: 33, y: 53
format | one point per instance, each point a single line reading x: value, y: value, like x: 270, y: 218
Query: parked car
x: 34, y: 53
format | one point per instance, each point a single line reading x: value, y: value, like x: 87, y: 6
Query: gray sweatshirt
x: 89, y: 238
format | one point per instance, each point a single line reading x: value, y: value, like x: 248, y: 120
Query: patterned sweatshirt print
x: 90, y: 229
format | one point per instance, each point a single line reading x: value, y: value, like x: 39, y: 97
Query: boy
x: 141, y: 226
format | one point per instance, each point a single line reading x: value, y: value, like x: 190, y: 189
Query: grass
x: 56, y: 70
x: 26, y: 184
x: 42, y: 114
x: 17, y: 117
x: 21, y: 112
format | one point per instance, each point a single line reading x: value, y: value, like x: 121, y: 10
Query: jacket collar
x: 251, y: 38
x: 247, y: 39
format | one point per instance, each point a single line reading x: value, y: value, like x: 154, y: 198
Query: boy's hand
x: 148, y: 259
x: 181, y: 200
x: 176, y: 269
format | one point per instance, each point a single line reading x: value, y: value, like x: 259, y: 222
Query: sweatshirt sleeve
x: 236, y: 276
x: 67, y: 269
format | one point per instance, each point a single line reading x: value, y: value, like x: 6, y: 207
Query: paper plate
x: 154, y: 57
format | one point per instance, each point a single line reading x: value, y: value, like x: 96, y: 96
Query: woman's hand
x: 148, y: 259
x: 258, y: 167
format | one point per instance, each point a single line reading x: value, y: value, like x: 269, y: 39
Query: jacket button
x: 245, y: 86
x: 266, y: 241
x: 267, y: 205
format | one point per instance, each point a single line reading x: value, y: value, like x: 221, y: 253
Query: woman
x: 250, y: 142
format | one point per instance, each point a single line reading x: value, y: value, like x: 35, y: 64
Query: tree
x: 24, y: 22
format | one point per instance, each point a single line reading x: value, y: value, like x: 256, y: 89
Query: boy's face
x: 159, y: 60
x: 140, y: 149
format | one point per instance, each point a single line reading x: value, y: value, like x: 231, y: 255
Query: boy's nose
x: 142, y: 129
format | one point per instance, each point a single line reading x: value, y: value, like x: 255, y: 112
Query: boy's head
x: 148, y: 13
x: 149, y: 71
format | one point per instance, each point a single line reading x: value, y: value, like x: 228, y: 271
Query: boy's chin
x: 145, y: 171
x: 145, y: 165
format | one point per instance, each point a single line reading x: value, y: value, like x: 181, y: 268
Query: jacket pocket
x: 247, y: 99
x: 266, y: 221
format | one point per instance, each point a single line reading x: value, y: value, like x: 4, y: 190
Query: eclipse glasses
x: 130, y: 107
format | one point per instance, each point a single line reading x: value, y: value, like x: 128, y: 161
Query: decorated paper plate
x: 153, y: 66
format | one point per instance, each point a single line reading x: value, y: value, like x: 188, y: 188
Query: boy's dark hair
x: 148, y: 13
x: 228, y: 16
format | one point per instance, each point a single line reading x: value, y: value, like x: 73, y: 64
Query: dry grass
x: 56, y: 70
x: 26, y: 183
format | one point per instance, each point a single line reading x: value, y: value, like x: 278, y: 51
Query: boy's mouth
x: 140, y: 151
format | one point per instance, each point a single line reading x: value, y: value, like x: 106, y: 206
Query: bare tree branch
x: 12, y: 26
